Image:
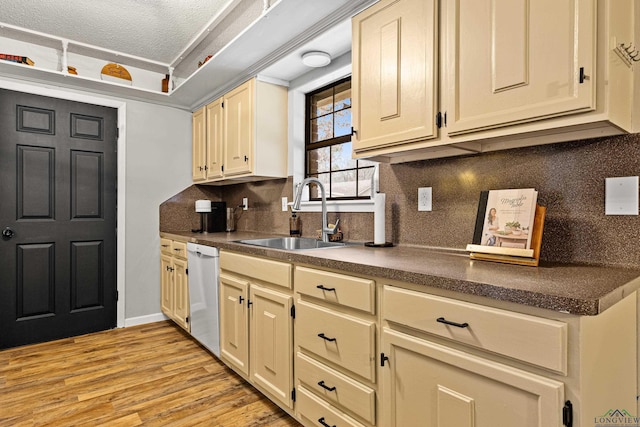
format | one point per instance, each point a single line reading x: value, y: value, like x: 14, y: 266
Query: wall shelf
x: 266, y: 40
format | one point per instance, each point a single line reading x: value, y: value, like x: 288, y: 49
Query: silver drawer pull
x: 448, y: 322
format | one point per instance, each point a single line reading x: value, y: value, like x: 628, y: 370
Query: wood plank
x: 152, y: 375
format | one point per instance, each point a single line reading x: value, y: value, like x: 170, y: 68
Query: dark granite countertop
x: 574, y: 289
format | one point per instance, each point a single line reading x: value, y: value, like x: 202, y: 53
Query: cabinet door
x: 239, y: 129
x: 512, y: 61
x: 198, y: 172
x: 181, y: 293
x: 394, y: 73
x: 271, y: 342
x: 234, y: 321
x: 428, y: 384
x: 214, y: 134
x: 166, y: 285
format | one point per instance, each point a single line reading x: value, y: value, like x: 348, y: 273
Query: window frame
x: 311, y: 146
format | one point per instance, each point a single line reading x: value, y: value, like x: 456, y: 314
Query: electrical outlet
x: 285, y: 204
x: 424, y: 199
x: 245, y: 203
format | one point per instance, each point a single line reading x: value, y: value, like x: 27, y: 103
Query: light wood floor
x: 151, y: 375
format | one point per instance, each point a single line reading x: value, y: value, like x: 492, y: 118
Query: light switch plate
x: 245, y: 203
x: 621, y: 196
x: 424, y: 199
x: 285, y: 202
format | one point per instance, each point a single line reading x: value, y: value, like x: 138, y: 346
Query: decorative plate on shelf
x: 115, y: 73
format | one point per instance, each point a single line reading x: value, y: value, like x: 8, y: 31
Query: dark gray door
x: 58, y: 171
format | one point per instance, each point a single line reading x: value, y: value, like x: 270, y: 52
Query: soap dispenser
x: 294, y: 225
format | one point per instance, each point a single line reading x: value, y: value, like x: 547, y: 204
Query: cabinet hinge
x: 222, y: 105
x: 293, y: 394
x: 186, y: 271
x: 383, y: 359
x: 439, y: 119
x: 117, y: 295
x: 567, y: 414
x: 186, y: 319
x: 222, y: 168
x: 293, y: 311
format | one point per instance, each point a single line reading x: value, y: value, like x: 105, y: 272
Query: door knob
x: 8, y: 233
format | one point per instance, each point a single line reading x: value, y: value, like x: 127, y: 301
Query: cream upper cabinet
x: 214, y: 135
x: 478, y: 76
x: 198, y: 146
x: 242, y: 136
x: 512, y: 61
x: 394, y: 73
x: 238, y: 130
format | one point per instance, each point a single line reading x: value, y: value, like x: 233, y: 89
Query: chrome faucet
x: 298, y: 198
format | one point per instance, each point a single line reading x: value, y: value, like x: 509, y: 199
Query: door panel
x: 35, y: 280
x: 58, y: 168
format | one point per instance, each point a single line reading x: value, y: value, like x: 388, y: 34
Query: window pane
x: 318, y: 160
x: 322, y: 103
x: 314, y: 190
x: 364, y: 182
x: 343, y: 184
x: 343, y: 96
x: 343, y: 122
x: 341, y: 157
x: 322, y: 128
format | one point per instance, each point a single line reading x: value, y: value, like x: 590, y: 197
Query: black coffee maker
x: 213, y: 216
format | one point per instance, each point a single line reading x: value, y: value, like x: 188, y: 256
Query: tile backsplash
x: 569, y: 177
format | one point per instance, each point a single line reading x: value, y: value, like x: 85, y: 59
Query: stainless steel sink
x: 292, y: 243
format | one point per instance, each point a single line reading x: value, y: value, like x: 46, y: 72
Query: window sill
x: 338, y: 206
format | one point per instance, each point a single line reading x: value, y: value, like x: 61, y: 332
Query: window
x: 328, y: 145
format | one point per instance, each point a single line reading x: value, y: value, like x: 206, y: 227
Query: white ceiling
x: 158, y: 30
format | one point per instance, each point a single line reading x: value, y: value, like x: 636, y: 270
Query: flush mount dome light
x: 316, y: 59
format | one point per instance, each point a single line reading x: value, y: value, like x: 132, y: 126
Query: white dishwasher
x: 204, y: 285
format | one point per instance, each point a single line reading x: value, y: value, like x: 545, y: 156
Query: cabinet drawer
x: 266, y: 270
x: 179, y: 249
x: 336, y: 388
x: 336, y: 288
x: 166, y: 246
x: 534, y: 340
x: 342, y: 339
x: 319, y: 413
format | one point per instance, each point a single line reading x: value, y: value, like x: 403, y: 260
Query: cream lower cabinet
x: 427, y: 384
x: 335, y: 337
x: 449, y: 363
x: 174, y: 285
x: 256, y: 335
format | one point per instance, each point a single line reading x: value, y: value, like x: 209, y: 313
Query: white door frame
x: 122, y: 134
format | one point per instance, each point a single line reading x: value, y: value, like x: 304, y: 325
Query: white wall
x: 158, y: 166
x: 154, y: 155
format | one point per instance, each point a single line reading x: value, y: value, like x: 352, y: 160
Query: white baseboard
x: 141, y: 320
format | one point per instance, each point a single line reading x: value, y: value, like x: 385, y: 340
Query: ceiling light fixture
x: 316, y: 59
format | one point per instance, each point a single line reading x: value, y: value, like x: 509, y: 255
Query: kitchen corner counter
x: 574, y: 289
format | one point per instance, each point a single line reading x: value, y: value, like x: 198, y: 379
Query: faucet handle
x: 334, y: 230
